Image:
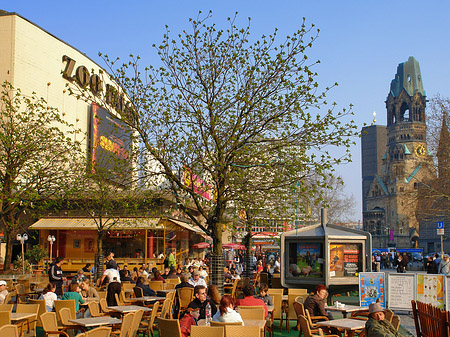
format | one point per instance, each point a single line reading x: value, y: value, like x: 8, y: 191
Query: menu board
x: 430, y: 289
x: 345, y: 260
x: 447, y: 292
x: 401, y: 291
x: 372, y: 288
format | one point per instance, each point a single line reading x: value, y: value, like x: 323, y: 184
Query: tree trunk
x: 8, y: 251
x: 248, y: 259
x: 217, y: 265
x: 99, y: 258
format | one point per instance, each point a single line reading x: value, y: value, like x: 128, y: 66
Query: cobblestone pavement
x: 407, y: 322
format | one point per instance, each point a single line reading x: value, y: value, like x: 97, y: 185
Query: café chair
x: 156, y: 285
x: 396, y: 322
x: 136, y: 321
x: 50, y: 325
x: 222, y: 324
x: 250, y: 312
x: 6, y: 307
x: 29, y: 308
x: 207, y: 331
x: 147, y: 327
x: 127, y: 322
x: 70, y: 304
x: 42, y: 309
x: 240, y: 331
x: 306, y: 329
x: 65, y: 316
x: 9, y: 330
x: 103, y: 331
x: 277, y: 313
x: 169, y: 327
x: 94, y: 309
x: 185, y: 296
x: 5, y: 318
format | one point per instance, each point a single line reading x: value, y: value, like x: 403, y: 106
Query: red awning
x: 234, y: 246
x: 201, y: 245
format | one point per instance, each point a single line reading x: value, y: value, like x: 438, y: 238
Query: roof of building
x: 408, y: 77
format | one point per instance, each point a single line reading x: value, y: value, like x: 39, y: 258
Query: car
x: 417, y: 257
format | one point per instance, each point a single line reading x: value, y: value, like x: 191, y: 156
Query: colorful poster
x: 309, y: 260
x: 430, y: 289
x: 345, y: 260
x: 372, y: 288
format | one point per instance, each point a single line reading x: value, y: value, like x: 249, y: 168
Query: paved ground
x: 407, y: 322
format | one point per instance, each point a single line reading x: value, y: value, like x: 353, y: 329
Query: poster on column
x: 430, y: 289
x: 401, y: 291
x: 371, y: 289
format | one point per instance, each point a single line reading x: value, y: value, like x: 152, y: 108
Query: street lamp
x: 22, y: 239
x: 51, y: 239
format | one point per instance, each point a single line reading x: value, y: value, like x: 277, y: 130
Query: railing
x: 430, y: 321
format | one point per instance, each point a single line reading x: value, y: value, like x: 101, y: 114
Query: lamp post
x: 51, y: 239
x: 22, y: 239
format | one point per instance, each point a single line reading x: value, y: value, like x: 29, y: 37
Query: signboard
x: 198, y: 185
x: 447, y: 292
x: 430, y: 289
x: 401, y: 291
x: 372, y: 288
x: 306, y: 260
x: 345, y: 259
x: 440, y: 227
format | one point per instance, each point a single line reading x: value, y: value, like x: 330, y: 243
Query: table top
x: 344, y: 323
x: 347, y: 308
x: 95, y: 321
x: 17, y: 316
x: 247, y: 322
x: 128, y: 308
x: 145, y: 299
x: 89, y: 300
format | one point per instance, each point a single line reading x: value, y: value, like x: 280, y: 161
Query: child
x: 263, y: 288
x: 49, y: 296
x: 190, y: 318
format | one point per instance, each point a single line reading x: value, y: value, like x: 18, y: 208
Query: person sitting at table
x: 376, y: 325
x: 3, y: 291
x: 125, y: 276
x: 79, y: 277
x: 263, y: 295
x: 49, y: 296
x: 157, y: 277
x: 203, y: 273
x: 213, y: 294
x: 88, y: 291
x: 146, y: 290
x: 74, y: 293
x: 226, y: 313
x: 196, y: 280
x: 189, y: 319
x: 143, y: 272
x: 166, y: 273
x: 315, y: 303
x: 172, y: 274
x: 249, y: 300
x: 201, y: 300
x: 184, y: 282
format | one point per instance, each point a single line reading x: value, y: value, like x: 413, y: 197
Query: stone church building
x: 395, y: 160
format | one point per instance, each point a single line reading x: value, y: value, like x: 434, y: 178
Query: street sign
x: 440, y: 227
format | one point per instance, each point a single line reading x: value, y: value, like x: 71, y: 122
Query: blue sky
x: 359, y: 46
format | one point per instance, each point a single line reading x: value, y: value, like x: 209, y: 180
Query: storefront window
x: 345, y: 259
x: 305, y: 260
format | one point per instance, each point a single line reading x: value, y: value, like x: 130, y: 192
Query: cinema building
x: 34, y: 60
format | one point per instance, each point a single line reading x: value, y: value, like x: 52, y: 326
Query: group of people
x: 436, y: 265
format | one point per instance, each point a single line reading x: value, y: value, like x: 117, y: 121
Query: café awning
x: 90, y: 224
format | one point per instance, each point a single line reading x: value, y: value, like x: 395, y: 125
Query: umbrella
x: 233, y: 246
x: 201, y: 245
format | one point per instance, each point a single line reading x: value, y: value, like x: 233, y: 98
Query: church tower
x: 391, y: 199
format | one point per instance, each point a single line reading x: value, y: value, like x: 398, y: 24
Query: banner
x: 372, y: 288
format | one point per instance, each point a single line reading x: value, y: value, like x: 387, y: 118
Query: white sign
x: 401, y: 291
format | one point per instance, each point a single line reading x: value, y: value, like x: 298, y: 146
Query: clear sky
x: 359, y: 46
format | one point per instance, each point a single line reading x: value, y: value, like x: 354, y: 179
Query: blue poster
x: 372, y: 288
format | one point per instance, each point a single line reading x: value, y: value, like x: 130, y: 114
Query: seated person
x: 172, y: 274
x: 263, y: 289
x: 79, y: 277
x: 226, y: 312
x: 190, y: 318
x: 125, y: 276
x: 196, y: 280
x: 74, y: 293
x: 315, y: 303
x: 203, y: 273
x: 146, y: 290
x: 3, y: 292
x: 377, y: 326
x: 201, y: 300
x: 88, y: 291
x: 249, y: 300
x: 49, y: 296
x: 158, y: 277
x: 184, y: 282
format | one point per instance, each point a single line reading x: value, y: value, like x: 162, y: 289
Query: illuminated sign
x: 197, y: 184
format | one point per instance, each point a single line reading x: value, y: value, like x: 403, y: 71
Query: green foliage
x: 35, y: 254
x: 18, y: 266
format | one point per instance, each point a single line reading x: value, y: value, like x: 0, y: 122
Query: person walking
x: 444, y: 266
x: 55, y: 275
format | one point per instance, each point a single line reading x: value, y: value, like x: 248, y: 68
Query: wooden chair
x: 21, y: 293
x: 104, y: 307
x: 185, y: 296
x: 304, y: 324
x: 388, y: 314
x: 42, y: 309
x: 50, y: 325
x: 127, y: 288
x: 166, y: 311
x: 26, y: 284
x: 232, y: 289
x: 147, y: 327
x: 256, y: 312
x: 94, y: 309
x: 136, y: 321
x: 169, y: 327
x: 239, y: 331
x: 6, y: 307
x: 170, y: 286
x: 102, y: 294
x: 127, y: 322
x: 9, y: 330
x: 60, y: 304
x: 156, y: 285
x: 395, y: 322
x: 172, y: 281
x: 277, y: 297
x: 171, y: 297
x: 207, y: 331
x: 103, y: 331
x: 118, y: 299
x: 65, y: 315
x: 241, y: 285
x: 276, y: 282
x: 29, y: 308
x: 8, y: 298
x: 138, y: 292
x: 5, y: 318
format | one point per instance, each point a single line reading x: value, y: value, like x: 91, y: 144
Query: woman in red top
x: 190, y: 318
x: 158, y: 277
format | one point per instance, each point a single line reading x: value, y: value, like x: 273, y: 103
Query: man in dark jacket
x: 55, y: 275
x: 377, y: 326
x: 146, y: 290
x: 201, y: 300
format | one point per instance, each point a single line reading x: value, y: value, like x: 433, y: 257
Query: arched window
x: 404, y: 112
